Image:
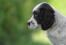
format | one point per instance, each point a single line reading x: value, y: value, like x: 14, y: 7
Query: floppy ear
x: 47, y: 17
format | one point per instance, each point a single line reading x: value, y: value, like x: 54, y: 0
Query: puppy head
x: 42, y: 17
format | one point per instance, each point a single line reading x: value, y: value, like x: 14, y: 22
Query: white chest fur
x: 57, y: 33
x: 57, y: 37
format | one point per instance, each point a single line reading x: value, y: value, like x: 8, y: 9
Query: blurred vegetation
x: 14, y: 15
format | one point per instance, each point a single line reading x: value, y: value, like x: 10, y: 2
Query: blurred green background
x: 14, y: 15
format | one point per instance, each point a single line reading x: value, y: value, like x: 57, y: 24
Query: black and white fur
x: 49, y: 19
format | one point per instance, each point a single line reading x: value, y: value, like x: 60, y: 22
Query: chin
x: 46, y: 17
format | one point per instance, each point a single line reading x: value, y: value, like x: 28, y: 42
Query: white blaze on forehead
x: 37, y: 6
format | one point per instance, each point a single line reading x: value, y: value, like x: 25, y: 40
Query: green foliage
x: 14, y: 15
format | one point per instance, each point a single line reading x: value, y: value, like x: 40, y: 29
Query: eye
x: 35, y: 13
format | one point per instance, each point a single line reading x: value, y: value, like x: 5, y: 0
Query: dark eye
x: 35, y: 13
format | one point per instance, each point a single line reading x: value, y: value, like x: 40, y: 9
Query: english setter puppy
x: 47, y: 18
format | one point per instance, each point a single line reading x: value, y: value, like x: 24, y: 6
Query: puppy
x: 47, y: 18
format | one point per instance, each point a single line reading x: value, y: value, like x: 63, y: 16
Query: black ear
x: 47, y: 17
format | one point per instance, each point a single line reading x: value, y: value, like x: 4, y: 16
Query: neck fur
x: 59, y: 20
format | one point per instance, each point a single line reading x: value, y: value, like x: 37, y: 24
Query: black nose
x: 28, y: 23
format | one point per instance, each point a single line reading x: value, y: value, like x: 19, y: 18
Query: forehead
x: 37, y: 6
x: 44, y: 6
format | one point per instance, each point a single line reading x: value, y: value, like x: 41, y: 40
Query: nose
x: 28, y: 23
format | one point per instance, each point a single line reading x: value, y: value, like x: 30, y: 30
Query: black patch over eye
x: 35, y: 13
